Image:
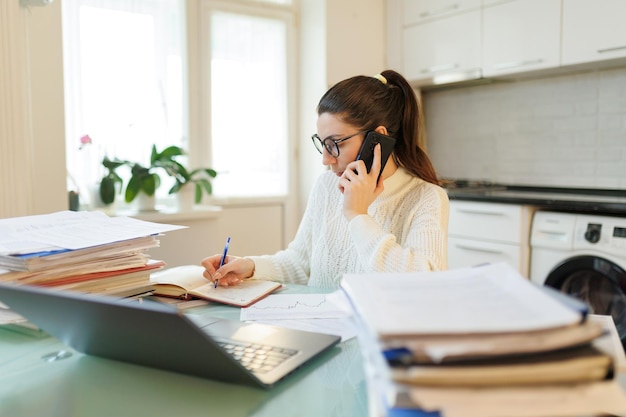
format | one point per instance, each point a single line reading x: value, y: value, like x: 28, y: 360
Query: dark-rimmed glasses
x: 331, y: 144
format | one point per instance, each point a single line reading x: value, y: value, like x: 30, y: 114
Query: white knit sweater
x: 405, y: 230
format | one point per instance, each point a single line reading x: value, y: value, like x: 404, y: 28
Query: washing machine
x: 585, y: 256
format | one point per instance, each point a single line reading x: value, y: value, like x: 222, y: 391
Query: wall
x: 206, y: 233
x: 567, y: 131
x: 33, y: 142
x: 338, y: 39
x: 15, y: 155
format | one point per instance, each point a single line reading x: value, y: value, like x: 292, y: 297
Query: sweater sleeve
x: 423, y: 245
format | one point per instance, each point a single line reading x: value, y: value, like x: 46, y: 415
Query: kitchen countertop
x: 595, y: 201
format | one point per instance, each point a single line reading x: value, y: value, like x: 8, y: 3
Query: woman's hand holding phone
x: 359, y: 187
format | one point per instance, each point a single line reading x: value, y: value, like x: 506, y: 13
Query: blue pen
x: 223, y: 259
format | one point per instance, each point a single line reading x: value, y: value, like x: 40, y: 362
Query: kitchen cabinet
x: 417, y: 11
x: 593, y: 31
x: 520, y: 36
x: 443, y: 50
x: 444, y: 41
x: 488, y: 233
x: 492, y: 2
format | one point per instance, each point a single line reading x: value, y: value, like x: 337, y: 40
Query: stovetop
x: 599, y: 201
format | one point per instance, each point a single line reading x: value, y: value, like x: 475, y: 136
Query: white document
x: 323, y: 313
x: 491, y: 298
x: 298, y: 306
x: 71, y: 230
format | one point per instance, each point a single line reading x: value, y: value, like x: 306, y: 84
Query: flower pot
x: 146, y: 202
x: 95, y: 202
x: 185, y: 198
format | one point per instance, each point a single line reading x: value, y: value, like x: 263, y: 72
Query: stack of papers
x: 476, y: 340
x: 83, y: 251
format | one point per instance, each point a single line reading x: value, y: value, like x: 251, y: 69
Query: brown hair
x: 368, y: 102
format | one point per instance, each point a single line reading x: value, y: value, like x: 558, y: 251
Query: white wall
x: 47, y: 107
x: 564, y: 131
x: 33, y: 142
x: 339, y: 39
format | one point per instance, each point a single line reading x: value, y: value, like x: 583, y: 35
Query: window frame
x: 196, y: 57
x: 71, y: 42
x: 199, y: 36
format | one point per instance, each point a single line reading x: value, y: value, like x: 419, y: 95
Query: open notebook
x: 158, y: 335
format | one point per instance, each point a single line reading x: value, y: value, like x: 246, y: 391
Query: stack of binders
x: 483, y: 342
x: 88, y: 252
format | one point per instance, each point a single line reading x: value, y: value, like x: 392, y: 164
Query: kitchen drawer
x: 418, y: 11
x: 487, y: 221
x: 468, y: 252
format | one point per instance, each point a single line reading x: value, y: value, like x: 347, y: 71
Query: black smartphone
x: 387, y: 143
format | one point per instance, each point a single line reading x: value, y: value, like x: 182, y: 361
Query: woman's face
x: 331, y: 126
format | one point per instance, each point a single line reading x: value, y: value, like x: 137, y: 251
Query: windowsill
x: 168, y: 214
x: 249, y: 201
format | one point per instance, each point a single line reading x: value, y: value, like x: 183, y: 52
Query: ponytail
x: 385, y: 99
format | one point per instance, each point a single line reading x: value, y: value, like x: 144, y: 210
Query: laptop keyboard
x: 255, y: 357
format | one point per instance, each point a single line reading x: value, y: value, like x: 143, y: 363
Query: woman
x: 355, y: 221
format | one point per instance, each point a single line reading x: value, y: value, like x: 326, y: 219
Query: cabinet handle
x: 617, y: 48
x: 478, y: 249
x: 439, y: 68
x: 515, y: 64
x: 484, y: 211
x: 553, y: 233
x: 450, y: 8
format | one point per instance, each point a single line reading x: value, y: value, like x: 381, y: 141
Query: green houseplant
x: 110, y: 179
x: 146, y: 179
x: 199, y: 178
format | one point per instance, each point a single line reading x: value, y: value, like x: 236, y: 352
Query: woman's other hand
x: 234, y: 270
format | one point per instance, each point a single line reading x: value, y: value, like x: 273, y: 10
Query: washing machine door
x: 598, y: 282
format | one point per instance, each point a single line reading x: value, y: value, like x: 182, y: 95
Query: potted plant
x: 200, y: 178
x: 110, y: 179
x: 146, y: 180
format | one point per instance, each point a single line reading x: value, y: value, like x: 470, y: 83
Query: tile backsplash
x: 560, y: 131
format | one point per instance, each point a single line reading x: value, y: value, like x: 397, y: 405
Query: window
x: 124, y: 81
x: 126, y: 67
x: 248, y: 103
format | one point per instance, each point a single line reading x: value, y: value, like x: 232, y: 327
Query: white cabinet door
x: 443, y: 50
x: 482, y: 232
x: 416, y: 11
x: 469, y: 252
x: 492, y: 222
x: 521, y: 36
x: 593, y: 30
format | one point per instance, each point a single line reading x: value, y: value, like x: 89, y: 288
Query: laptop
x: 157, y: 335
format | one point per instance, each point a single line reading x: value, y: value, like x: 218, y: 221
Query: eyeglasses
x: 331, y: 144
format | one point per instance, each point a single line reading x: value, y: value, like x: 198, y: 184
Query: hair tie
x: 380, y: 78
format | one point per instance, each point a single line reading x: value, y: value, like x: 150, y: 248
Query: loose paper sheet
x: 324, y: 313
x: 71, y: 230
x: 297, y: 306
x: 492, y: 298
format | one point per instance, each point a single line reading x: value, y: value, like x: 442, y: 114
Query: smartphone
x: 366, y: 154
